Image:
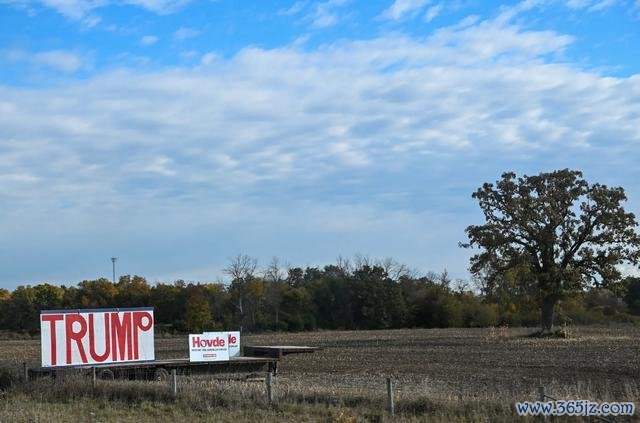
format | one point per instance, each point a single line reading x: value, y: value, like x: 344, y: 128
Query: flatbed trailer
x: 256, y: 359
x: 160, y: 369
x: 277, y: 351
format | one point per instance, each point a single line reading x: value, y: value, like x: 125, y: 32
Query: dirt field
x: 440, y: 374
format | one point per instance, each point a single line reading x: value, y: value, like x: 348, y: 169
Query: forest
x: 350, y: 294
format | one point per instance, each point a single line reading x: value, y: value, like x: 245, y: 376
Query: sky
x: 175, y: 135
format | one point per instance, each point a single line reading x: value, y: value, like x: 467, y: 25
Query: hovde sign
x: 233, y: 340
x: 214, y: 346
x: 96, y: 336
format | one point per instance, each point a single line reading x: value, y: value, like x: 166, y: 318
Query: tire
x: 161, y: 375
x: 106, y: 374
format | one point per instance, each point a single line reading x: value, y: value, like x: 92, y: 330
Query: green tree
x: 515, y: 293
x: 218, y: 298
x: 377, y: 300
x: 331, y: 296
x: 133, y: 292
x: 99, y: 293
x: 567, y: 232
x: 4, y: 294
x: 197, y: 313
x: 255, y: 289
x: 47, y: 297
x: 632, y: 296
x: 297, y: 309
x: 20, y: 310
x: 169, y: 302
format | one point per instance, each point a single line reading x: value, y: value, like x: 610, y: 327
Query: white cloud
x: 208, y: 58
x: 592, y: 5
x: 159, y: 6
x: 60, y: 60
x: 148, y: 40
x: 433, y: 12
x: 160, y: 165
x: 189, y: 54
x: 603, y: 4
x: 279, y: 111
x: 325, y: 14
x: 319, y: 14
x: 400, y: 8
x: 14, y: 55
x: 289, y: 140
x: 578, y: 4
x: 184, y: 33
x: 75, y: 9
x: 294, y: 9
x: 81, y: 10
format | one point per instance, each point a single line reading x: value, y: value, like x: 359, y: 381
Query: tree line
x: 356, y: 294
x: 552, y: 244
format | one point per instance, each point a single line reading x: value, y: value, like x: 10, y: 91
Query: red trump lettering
x: 99, y: 358
x: 138, y: 324
x: 121, y: 334
x: 53, y: 319
x: 72, y: 335
x: 96, y: 336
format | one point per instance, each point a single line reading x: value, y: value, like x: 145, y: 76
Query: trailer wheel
x: 161, y: 375
x: 106, y: 374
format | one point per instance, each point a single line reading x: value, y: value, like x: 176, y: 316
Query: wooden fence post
x: 541, y: 397
x: 269, y: 381
x: 392, y: 410
x: 25, y: 371
x: 174, y: 382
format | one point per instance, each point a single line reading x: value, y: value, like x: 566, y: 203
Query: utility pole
x: 113, y: 261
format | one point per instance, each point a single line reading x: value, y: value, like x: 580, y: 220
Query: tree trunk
x: 547, y: 312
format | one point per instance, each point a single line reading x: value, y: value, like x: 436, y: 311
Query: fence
x: 385, y: 390
x: 542, y: 396
x: 270, y: 388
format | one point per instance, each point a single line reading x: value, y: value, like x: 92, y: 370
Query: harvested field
x: 441, y: 374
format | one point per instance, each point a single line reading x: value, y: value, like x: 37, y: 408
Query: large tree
x: 566, y: 232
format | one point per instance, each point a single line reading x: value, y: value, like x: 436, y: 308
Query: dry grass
x: 440, y: 375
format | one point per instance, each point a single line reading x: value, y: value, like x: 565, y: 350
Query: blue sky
x: 177, y: 134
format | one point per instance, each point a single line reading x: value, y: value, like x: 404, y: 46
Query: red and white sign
x: 234, y: 344
x: 209, y: 346
x: 233, y: 340
x: 96, y: 336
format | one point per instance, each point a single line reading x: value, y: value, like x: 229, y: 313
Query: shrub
x: 7, y: 378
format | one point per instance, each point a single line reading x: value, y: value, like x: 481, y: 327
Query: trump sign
x: 96, y: 336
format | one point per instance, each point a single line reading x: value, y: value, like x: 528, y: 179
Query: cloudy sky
x: 176, y: 134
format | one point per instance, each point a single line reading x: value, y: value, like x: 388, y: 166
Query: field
x: 439, y: 374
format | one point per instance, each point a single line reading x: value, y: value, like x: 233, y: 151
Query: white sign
x: 209, y: 346
x: 96, y: 336
x: 234, y: 344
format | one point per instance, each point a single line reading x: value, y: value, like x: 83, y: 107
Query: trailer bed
x: 277, y: 351
x: 255, y: 359
x: 159, y: 369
